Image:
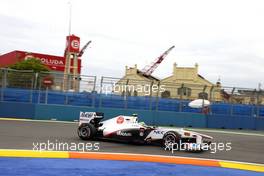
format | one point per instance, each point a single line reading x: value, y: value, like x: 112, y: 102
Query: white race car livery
x: 128, y: 129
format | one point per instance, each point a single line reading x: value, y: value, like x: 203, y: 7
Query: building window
x: 135, y: 93
x: 165, y: 94
x: 203, y: 95
x: 186, y: 91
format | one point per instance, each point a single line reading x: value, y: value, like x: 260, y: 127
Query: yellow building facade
x: 187, y: 83
x: 135, y: 83
x: 184, y: 83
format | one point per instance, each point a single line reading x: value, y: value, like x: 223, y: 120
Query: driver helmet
x: 142, y: 123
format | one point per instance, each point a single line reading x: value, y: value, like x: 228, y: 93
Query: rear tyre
x: 171, y: 140
x: 86, y: 131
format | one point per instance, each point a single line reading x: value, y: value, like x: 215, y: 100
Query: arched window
x: 185, y: 91
x: 165, y: 94
x: 203, y: 95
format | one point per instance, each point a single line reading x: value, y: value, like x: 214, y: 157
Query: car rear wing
x: 86, y: 117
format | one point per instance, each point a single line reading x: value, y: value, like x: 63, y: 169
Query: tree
x: 30, y: 64
x: 23, y: 74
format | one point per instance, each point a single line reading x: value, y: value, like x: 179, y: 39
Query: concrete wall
x: 234, y: 122
x: 18, y: 110
x: 165, y: 118
x: 59, y: 112
x: 71, y: 113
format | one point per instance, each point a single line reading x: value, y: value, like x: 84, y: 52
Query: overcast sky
x: 225, y: 37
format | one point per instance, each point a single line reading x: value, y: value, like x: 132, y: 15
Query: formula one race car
x: 128, y: 129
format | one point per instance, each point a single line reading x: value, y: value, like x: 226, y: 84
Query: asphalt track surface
x: 22, y: 135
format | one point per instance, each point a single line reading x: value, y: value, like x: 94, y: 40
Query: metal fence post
x: 180, y: 108
x: 1, y: 72
x: 67, y: 87
x: 150, y: 96
x: 39, y: 91
x: 2, y: 84
x: 94, y: 93
x: 5, y: 77
x: 32, y: 87
x: 66, y: 101
x: 211, y: 93
x: 258, y: 102
x: 204, y: 88
x: 157, y: 97
x: 46, y: 95
x: 126, y: 94
x: 36, y: 80
x: 94, y: 85
x: 101, y: 91
x: 232, y: 107
x: 1, y: 97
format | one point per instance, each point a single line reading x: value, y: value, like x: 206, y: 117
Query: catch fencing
x: 108, y: 92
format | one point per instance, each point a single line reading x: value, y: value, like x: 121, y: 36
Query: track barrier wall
x: 164, y: 118
x: 235, y: 122
x: 17, y: 110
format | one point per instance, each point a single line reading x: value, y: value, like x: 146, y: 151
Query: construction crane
x: 149, y: 69
x: 84, y: 48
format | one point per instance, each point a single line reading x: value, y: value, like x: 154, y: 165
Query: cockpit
x: 130, y: 119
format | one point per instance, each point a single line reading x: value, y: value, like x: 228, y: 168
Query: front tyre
x: 171, y: 139
x: 86, y: 131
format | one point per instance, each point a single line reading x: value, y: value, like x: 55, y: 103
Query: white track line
x: 228, y: 132
x: 33, y: 120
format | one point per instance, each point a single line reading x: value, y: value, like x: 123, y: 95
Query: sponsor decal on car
x: 86, y: 115
x: 158, y: 132
x: 121, y: 133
